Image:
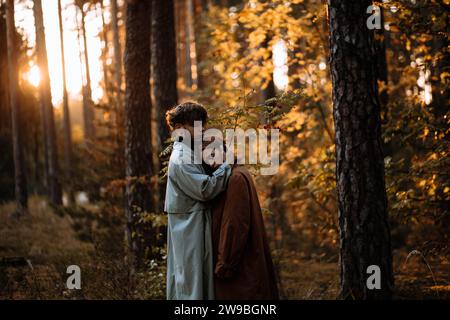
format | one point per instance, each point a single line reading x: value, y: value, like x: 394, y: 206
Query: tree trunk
x: 54, y: 186
x: 439, y: 90
x: 199, y: 7
x: 88, y: 112
x: 381, y: 39
x: 19, y: 169
x: 83, y: 85
x: 363, y: 216
x: 117, y: 73
x: 164, y: 63
x: 269, y: 91
x: 164, y: 68
x: 66, y: 121
x: 138, y: 153
x: 191, y: 59
x: 183, y: 43
x: 180, y: 38
x: 105, y: 51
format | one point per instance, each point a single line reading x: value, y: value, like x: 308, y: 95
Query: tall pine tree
x: 362, y: 203
x: 19, y: 169
x: 138, y: 151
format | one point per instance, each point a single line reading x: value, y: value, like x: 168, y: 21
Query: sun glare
x: 74, y: 71
x: 280, y: 72
x: 33, y: 76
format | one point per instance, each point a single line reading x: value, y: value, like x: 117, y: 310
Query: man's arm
x: 200, y: 186
x: 234, y: 228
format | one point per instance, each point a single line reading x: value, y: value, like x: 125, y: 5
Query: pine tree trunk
x: 199, y: 7
x: 83, y: 89
x: 363, y: 216
x: 138, y: 153
x: 269, y: 91
x: 381, y: 39
x: 105, y: 51
x: 66, y: 121
x: 180, y: 38
x: 89, y: 117
x: 164, y: 63
x: 117, y: 74
x: 19, y: 169
x: 191, y: 77
x: 439, y: 90
x: 54, y: 187
x: 117, y: 49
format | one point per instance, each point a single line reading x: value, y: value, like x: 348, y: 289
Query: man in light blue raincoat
x: 189, y: 245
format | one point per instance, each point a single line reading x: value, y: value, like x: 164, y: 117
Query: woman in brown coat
x: 242, y: 261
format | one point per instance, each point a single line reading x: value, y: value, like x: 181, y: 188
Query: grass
x: 52, y: 241
x: 40, y: 236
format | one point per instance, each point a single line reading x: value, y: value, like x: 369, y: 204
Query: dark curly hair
x: 186, y: 113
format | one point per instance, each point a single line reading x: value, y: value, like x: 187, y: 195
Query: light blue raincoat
x: 189, y: 244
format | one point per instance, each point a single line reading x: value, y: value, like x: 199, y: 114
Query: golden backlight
x: 75, y: 72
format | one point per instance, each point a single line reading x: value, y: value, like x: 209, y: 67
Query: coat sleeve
x: 234, y: 228
x: 200, y: 186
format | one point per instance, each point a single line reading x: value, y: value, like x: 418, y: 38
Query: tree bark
x: 117, y: 48
x: 180, y: 35
x: 191, y: 61
x: 183, y: 38
x: 87, y: 110
x: 382, y: 68
x: 105, y: 51
x: 439, y: 91
x: 19, y: 169
x: 164, y: 63
x: 269, y: 90
x: 363, y: 216
x: 117, y: 73
x: 66, y: 121
x: 138, y: 153
x: 54, y: 187
x: 83, y: 85
x: 199, y: 7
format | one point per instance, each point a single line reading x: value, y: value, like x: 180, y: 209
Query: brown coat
x: 243, y: 267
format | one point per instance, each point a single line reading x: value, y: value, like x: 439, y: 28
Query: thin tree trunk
x: 191, y: 61
x: 46, y: 177
x: 180, y: 39
x: 439, y: 91
x: 269, y: 91
x: 117, y: 73
x: 117, y: 48
x: 66, y: 122
x: 19, y: 169
x: 54, y: 187
x: 138, y: 152
x: 89, y: 117
x: 363, y: 216
x: 83, y: 85
x: 105, y: 51
x: 199, y: 7
x: 381, y: 39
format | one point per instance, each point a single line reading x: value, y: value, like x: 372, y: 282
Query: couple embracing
x: 216, y: 242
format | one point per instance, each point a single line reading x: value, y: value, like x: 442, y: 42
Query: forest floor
x: 51, y: 243
x: 318, y: 280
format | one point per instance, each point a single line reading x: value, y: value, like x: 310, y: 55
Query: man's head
x: 183, y: 116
